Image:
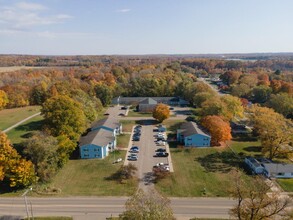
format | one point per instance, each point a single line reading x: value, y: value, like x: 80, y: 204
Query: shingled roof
x: 99, y: 137
x: 107, y: 122
x: 190, y: 128
x: 149, y: 101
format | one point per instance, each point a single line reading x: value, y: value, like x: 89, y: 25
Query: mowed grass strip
x: 198, y: 172
x: 9, y: 117
x: 123, y: 140
x: 24, y: 131
x: 286, y: 184
x: 89, y: 178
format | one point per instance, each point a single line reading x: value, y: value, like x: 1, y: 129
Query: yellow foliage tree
x: 17, y: 171
x: 3, y: 99
x: 161, y: 112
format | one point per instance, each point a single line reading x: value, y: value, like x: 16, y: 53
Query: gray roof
x: 149, y: 101
x: 99, y: 137
x: 190, y: 128
x: 107, y: 122
x: 129, y: 100
x: 278, y: 167
x: 254, y: 161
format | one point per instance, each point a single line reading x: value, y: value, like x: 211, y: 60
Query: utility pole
x: 25, y: 201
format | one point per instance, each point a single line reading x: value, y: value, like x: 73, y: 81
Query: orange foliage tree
x: 219, y: 129
x: 161, y: 112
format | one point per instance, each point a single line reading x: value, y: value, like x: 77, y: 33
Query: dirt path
x: 20, y: 122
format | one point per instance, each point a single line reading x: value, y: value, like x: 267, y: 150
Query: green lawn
x: 9, y: 117
x: 89, y: 178
x: 127, y: 125
x: 246, y: 146
x: 123, y: 140
x: 199, y: 172
x: 23, y: 131
x: 286, y: 184
x: 132, y: 113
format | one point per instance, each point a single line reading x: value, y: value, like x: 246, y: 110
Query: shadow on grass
x: 256, y: 149
x: 244, y: 138
x: 222, y: 162
x: 31, y: 126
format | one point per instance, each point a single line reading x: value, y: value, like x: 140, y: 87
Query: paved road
x: 88, y: 208
x: 215, y: 89
x: 22, y: 121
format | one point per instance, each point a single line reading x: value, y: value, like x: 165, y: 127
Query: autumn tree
x: 274, y: 131
x: 219, y: 129
x: 14, y: 170
x: 3, y: 99
x: 64, y: 116
x: 281, y: 103
x: 234, y: 107
x: 147, y: 206
x: 104, y: 93
x: 256, y: 201
x: 161, y: 112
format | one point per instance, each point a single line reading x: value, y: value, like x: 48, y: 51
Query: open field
x: 9, y: 117
x: 132, y: 113
x: 127, y: 125
x: 89, y: 178
x: 246, y: 146
x: 200, y: 172
x: 14, y: 68
x: 23, y: 131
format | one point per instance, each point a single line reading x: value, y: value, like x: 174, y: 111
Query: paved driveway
x: 146, y: 160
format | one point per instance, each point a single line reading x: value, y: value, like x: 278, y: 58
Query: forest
x: 72, y: 90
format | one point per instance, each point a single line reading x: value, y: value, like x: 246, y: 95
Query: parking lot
x: 146, y: 160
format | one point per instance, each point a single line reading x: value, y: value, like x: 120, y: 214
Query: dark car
x: 162, y: 154
x: 134, y: 149
x: 121, y: 114
x: 106, y: 114
x: 161, y: 150
x: 136, y: 138
x: 124, y: 108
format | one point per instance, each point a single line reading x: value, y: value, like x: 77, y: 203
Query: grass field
x: 246, y: 146
x: 127, y: 125
x: 199, y: 172
x: 123, y: 140
x: 89, y: 178
x: 9, y: 117
x: 286, y: 184
x: 23, y: 131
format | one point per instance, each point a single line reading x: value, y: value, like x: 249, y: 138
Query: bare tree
x: 151, y: 206
x: 255, y: 201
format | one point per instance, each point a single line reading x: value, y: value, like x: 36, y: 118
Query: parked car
x: 136, y: 138
x: 124, y: 108
x: 106, y: 113
x: 121, y: 114
x: 161, y: 150
x: 134, y: 149
x: 132, y: 157
x: 161, y: 143
x: 161, y: 154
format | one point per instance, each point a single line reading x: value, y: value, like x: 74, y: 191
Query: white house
x: 278, y: 170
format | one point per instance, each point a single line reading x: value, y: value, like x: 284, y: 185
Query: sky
x: 134, y: 27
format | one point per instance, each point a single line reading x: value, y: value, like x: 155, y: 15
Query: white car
x: 161, y: 143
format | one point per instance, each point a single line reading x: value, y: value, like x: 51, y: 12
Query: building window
x: 189, y: 139
x: 97, y: 155
x: 85, y: 149
x: 86, y: 155
x: 281, y: 174
x: 96, y: 149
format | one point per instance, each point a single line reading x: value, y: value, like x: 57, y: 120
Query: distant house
x: 101, y: 139
x: 174, y: 101
x: 254, y: 165
x: 192, y: 136
x: 278, y: 170
x: 269, y: 168
x: 147, y: 105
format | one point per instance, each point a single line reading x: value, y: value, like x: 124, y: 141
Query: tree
x: 275, y: 134
x: 151, y: 206
x: 234, y: 106
x: 261, y: 94
x: 254, y: 201
x: 214, y: 106
x: 281, y: 103
x: 3, y: 99
x: 63, y: 116
x: 161, y: 112
x: 104, y: 93
x: 42, y: 151
x: 219, y: 129
x: 14, y: 170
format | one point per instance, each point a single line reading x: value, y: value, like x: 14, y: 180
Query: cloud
x: 30, y: 6
x: 25, y: 16
x: 124, y: 10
